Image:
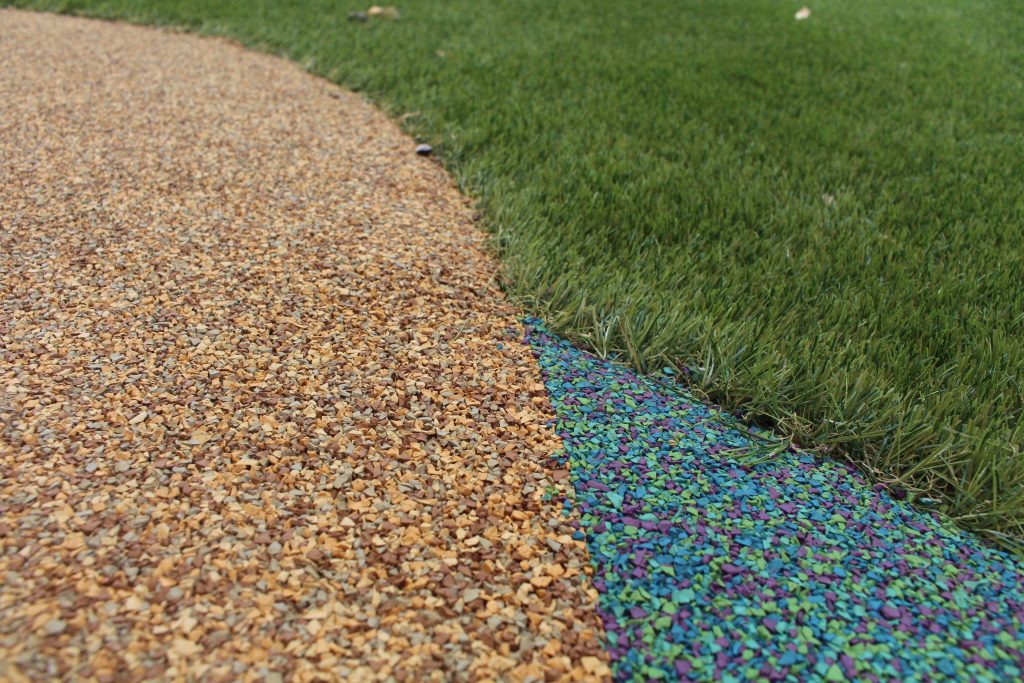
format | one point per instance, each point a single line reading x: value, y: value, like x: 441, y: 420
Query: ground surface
x: 720, y: 558
x: 265, y: 416
x: 260, y: 418
x: 821, y: 217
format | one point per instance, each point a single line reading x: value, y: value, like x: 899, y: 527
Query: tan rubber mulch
x: 261, y: 416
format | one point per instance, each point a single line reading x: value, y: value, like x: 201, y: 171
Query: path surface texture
x: 712, y: 566
x: 262, y: 416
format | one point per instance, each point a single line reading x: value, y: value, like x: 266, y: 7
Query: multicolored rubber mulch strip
x: 792, y: 569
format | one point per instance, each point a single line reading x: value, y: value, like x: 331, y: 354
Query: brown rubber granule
x: 264, y: 414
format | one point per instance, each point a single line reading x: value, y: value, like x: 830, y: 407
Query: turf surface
x: 822, y: 219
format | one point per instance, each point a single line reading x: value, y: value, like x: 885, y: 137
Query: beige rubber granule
x: 261, y: 415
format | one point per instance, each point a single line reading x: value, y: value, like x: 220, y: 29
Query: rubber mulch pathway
x: 791, y: 569
x: 260, y: 416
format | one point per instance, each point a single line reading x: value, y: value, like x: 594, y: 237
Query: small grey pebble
x: 424, y: 150
x: 274, y: 548
x: 55, y: 627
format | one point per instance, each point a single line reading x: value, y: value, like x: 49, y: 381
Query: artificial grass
x: 822, y: 220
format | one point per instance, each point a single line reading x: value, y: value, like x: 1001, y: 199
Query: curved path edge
x: 261, y: 415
